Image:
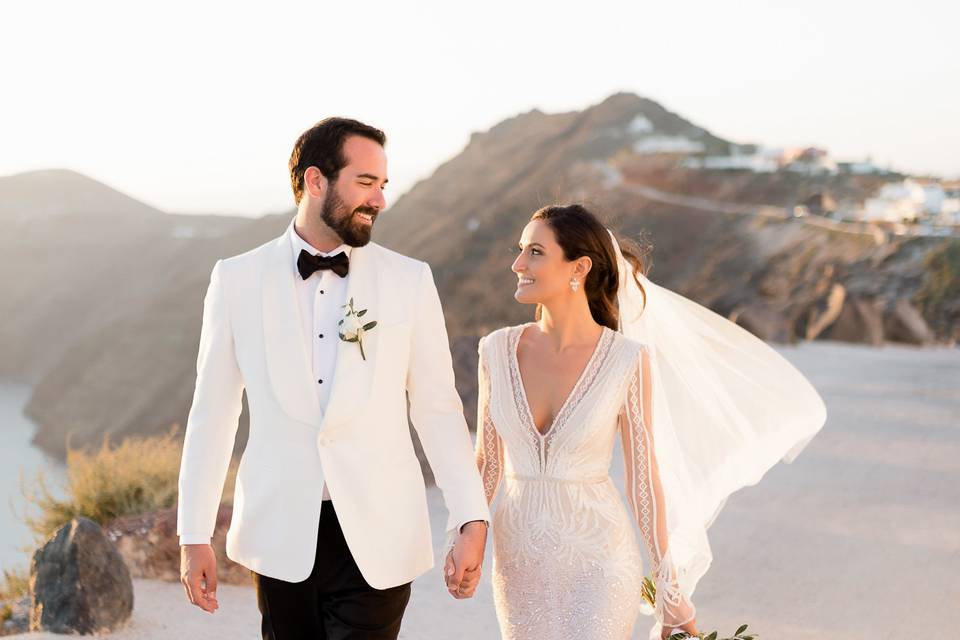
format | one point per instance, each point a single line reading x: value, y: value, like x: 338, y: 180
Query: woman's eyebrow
x: 520, y: 244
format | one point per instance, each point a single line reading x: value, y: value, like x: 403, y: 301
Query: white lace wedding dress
x: 566, y: 562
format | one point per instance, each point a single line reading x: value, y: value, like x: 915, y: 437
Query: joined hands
x: 461, y: 569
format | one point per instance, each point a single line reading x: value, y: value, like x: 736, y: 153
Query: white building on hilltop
x: 667, y: 144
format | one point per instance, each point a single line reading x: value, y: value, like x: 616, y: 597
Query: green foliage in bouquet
x: 649, y: 593
x: 683, y: 635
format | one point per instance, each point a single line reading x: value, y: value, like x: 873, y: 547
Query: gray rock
x: 78, y: 582
x: 904, y: 323
x: 860, y: 320
x: 765, y: 323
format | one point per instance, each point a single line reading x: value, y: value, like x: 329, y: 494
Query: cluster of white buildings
x: 760, y: 159
x: 912, y: 200
x: 922, y: 201
x: 805, y: 160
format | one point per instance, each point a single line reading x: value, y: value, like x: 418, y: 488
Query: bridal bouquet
x: 649, y: 594
x: 682, y: 635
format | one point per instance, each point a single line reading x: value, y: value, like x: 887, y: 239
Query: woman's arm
x: 645, y: 496
x: 489, y: 447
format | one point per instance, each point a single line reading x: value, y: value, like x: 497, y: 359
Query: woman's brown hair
x: 580, y: 233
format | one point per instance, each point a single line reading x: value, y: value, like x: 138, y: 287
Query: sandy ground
x: 859, y: 538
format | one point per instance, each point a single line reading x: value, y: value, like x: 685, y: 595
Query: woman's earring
x: 574, y: 284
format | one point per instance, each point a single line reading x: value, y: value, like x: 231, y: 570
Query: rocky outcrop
x: 860, y: 320
x: 78, y: 582
x: 903, y: 323
x: 765, y: 323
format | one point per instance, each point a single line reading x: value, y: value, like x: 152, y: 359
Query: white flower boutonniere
x: 352, y: 328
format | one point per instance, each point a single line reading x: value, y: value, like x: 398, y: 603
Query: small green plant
x: 649, y: 593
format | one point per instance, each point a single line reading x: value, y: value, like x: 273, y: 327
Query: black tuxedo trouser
x: 334, y: 602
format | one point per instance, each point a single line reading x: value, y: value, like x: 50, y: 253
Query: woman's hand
x: 690, y: 627
x: 462, y: 567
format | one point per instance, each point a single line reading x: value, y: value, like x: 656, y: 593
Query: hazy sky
x: 195, y: 106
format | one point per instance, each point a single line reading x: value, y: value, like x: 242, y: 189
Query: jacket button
x: 321, y: 335
x: 320, y: 381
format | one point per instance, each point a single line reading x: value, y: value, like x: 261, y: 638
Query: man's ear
x: 314, y: 182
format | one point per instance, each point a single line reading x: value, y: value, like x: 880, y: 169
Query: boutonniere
x: 352, y: 327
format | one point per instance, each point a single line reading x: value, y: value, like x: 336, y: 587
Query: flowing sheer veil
x: 726, y: 408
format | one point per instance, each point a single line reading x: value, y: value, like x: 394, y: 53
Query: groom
x: 329, y: 333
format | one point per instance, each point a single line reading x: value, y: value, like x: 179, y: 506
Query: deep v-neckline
x: 515, y: 362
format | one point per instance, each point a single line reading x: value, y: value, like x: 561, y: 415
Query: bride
x: 701, y: 408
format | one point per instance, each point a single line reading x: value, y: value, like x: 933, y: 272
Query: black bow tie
x: 307, y: 263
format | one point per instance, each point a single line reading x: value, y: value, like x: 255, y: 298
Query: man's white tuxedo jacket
x: 251, y: 338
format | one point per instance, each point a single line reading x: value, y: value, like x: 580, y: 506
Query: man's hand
x: 199, y: 563
x: 462, y: 567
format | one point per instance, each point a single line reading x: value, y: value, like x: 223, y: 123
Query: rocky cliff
x: 102, y: 310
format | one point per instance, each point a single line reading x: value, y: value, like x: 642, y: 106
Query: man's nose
x: 378, y: 201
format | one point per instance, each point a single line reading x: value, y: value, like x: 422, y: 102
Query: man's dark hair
x: 321, y: 146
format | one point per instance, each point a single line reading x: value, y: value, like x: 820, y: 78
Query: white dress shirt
x: 320, y: 298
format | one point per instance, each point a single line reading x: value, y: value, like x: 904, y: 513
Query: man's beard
x: 344, y: 222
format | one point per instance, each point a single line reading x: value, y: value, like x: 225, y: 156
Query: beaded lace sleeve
x: 489, y: 446
x: 645, y: 494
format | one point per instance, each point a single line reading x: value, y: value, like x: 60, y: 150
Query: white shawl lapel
x: 288, y: 350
